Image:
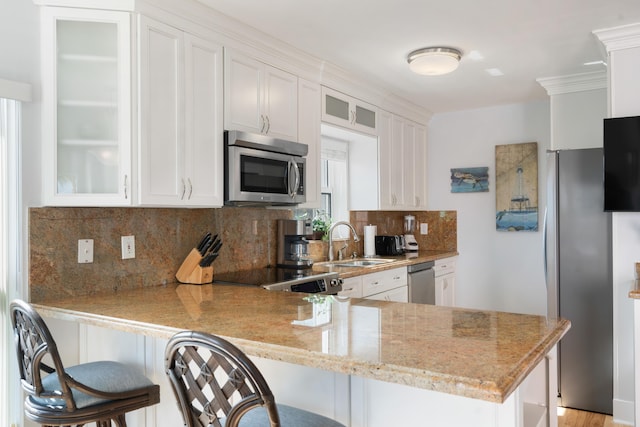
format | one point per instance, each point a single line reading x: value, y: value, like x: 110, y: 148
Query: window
x: 10, y: 208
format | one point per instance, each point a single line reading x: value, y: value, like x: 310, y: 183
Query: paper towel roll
x: 370, y: 240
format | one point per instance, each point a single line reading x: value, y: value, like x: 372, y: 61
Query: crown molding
x: 617, y: 38
x: 204, y: 21
x: 574, y: 83
x: 237, y: 35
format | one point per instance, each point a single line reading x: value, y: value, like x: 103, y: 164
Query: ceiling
x: 524, y: 39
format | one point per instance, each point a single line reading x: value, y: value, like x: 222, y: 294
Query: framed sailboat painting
x: 517, y: 187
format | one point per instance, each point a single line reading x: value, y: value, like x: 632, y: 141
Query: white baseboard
x: 623, y: 412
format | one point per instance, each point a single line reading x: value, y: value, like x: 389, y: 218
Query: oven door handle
x: 293, y: 190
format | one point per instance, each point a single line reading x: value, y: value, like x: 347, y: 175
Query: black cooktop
x: 263, y: 276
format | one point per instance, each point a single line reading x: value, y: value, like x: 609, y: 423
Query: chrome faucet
x: 334, y: 225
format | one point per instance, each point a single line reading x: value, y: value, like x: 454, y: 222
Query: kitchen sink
x: 358, y: 262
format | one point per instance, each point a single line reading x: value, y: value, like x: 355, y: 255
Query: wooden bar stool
x: 98, y: 392
x: 217, y: 385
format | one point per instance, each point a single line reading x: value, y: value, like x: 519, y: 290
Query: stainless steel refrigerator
x: 579, y: 277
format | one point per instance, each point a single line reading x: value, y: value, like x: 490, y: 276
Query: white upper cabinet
x: 180, y: 117
x: 420, y: 168
x: 385, y: 169
x: 309, y: 133
x: 260, y: 98
x: 343, y: 110
x: 86, y: 119
x: 402, y: 160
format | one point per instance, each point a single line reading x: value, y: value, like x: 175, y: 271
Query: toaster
x: 389, y: 245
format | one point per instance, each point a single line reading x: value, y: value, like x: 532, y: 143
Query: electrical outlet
x: 85, y: 251
x: 128, y: 244
x: 424, y: 228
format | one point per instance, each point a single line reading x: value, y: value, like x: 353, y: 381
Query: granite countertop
x: 477, y: 354
x: 398, y: 261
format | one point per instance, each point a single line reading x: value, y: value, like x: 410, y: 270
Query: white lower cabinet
x: 400, y: 294
x: 445, y: 280
x: 388, y: 285
x: 351, y: 287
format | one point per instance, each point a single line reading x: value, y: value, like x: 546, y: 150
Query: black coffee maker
x: 293, y: 247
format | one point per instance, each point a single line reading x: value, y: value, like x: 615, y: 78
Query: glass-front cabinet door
x: 87, y: 113
x: 343, y: 110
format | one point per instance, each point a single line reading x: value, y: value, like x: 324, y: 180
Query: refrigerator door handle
x: 544, y: 248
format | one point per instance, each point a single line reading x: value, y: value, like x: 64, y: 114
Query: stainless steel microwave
x: 260, y: 170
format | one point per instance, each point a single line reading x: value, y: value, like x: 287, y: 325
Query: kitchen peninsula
x: 386, y: 363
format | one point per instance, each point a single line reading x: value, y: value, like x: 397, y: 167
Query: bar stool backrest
x: 215, y: 383
x: 34, y: 342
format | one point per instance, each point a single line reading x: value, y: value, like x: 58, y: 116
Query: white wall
x: 496, y: 270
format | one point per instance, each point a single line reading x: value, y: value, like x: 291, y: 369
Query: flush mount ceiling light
x: 434, y: 61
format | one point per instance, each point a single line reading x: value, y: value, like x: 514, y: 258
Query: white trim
x: 10, y: 252
x: 617, y: 38
x: 15, y: 90
x: 574, y: 83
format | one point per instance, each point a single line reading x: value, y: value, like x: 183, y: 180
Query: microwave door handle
x: 296, y: 186
x: 287, y: 178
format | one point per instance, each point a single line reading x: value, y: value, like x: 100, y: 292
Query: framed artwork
x: 469, y: 180
x: 517, y: 187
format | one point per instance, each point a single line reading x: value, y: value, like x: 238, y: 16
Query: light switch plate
x: 128, y: 247
x: 85, y: 251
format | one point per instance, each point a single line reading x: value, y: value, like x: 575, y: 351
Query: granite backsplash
x: 163, y: 237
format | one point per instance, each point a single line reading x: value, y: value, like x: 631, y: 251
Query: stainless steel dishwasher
x: 422, y: 283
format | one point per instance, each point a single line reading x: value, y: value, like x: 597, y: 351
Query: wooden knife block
x: 191, y: 272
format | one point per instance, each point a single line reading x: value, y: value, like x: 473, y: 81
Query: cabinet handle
x: 184, y: 189
x: 263, y: 123
x: 374, y: 283
x: 417, y: 201
x: 347, y: 290
x: 125, y: 187
x: 268, y: 124
x: 190, y: 188
x: 396, y: 277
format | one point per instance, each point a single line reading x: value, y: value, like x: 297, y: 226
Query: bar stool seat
x: 217, y: 385
x: 98, y: 392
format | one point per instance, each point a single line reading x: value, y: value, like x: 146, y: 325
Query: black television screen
x: 621, y: 149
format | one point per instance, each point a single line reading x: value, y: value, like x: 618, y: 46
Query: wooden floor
x: 575, y: 418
